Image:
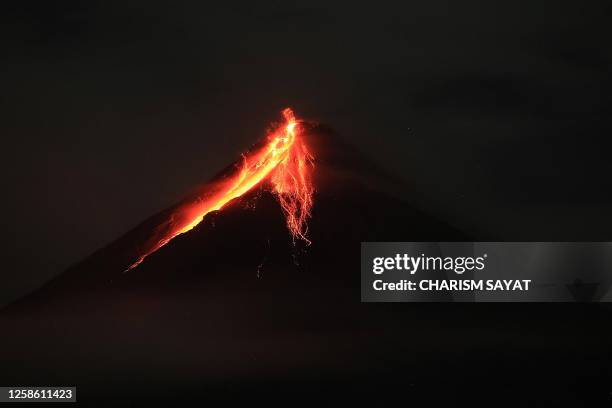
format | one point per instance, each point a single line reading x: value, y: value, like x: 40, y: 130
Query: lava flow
x: 284, y: 160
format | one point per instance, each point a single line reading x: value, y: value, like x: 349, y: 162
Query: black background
x: 496, y: 113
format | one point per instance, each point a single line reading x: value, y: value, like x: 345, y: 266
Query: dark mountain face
x: 234, y: 305
x: 354, y: 202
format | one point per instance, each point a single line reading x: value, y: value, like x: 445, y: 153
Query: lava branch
x: 284, y: 160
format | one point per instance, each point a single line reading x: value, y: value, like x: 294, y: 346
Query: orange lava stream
x: 284, y: 160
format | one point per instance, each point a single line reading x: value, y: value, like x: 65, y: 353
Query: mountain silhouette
x: 354, y: 202
x: 236, y: 307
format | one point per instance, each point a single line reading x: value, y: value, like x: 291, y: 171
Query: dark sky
x: 497, y: 113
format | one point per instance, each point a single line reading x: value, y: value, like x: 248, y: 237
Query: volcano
x: 260, y: 229
x: 238, y: 307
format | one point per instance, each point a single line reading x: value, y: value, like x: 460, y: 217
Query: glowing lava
x: 284, y: 160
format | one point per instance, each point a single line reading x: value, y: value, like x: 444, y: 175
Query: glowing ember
x: 284, y: 160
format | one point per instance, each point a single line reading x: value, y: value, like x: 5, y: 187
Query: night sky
x: 496, y: 113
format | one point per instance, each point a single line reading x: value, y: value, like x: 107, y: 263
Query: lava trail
x: 284, y: 161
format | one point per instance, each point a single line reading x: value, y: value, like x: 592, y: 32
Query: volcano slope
x: 235, y: 310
